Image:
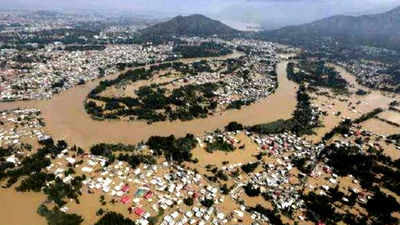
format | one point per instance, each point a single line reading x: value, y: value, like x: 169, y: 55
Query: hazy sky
x: 269, y: 12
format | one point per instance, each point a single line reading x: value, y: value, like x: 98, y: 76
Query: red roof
x: 125, y: 199
x: 148, y: 195
x: 139, y: 211
x: 125, y: 188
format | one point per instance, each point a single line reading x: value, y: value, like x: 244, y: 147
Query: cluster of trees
x: 234, y: 126
x: 35, y: 182
x: 252, y: 191
x: 134, y: 160
x: 274, y: 218
x: 205, y: 49
x: 152, y: 102
x: 172, y: 148
x: 114, y: 219
x: 32, y: 164
x: 207, y: 202
x: 343, y: 128
x: 32, y: 177
x: 130, y: 75
x: 177, y: 149
x: 381, y: 206
x: 249, y: 167
x: 57, y: 217
x: 107, y: 149
x: 58, y: 190
x: 274, y: 127
x: 368, y: 115
x: 219, y: 144
x: 126, y: 153
x: 367, y: 168
x: 322, y: 208
x: 317, y: 74
x: 238, y: 104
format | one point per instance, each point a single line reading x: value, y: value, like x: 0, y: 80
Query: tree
x: 382, y: 205
x: 251, y: 191
x: 303, y: 115
x: 188, y: 201
x: 207, y: 202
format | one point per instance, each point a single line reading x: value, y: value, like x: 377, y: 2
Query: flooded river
x: 67, y: 119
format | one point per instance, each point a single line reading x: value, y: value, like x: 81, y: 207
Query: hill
x: 380, y: 30
x: 194, y: 25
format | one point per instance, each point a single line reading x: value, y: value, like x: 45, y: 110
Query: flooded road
x: 66, y: 118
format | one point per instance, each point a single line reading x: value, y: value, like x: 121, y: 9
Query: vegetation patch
x: 57, y: 217
x: 114, y: 219
x: 205, y: 49
x: 316, y: 73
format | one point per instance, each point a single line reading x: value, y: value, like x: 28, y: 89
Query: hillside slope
x: 381, y: 30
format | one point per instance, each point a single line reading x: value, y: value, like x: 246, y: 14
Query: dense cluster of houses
x: 278, y: 180
x: 255, y: 85
x: 149, y: 189
x: 176, y: 194
x: 50, y: 70
x: 19, y: 125
x: 370, y: 74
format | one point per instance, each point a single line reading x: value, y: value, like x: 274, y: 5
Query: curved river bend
x: 67, y: 119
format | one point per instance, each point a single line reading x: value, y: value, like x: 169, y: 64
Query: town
x: 112, y: 118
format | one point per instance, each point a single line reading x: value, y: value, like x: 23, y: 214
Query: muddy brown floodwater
x: 19, y: 208
x: 67, y: 119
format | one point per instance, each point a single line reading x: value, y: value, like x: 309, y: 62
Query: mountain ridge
x: 193, y: 25
x: 381, y: 30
